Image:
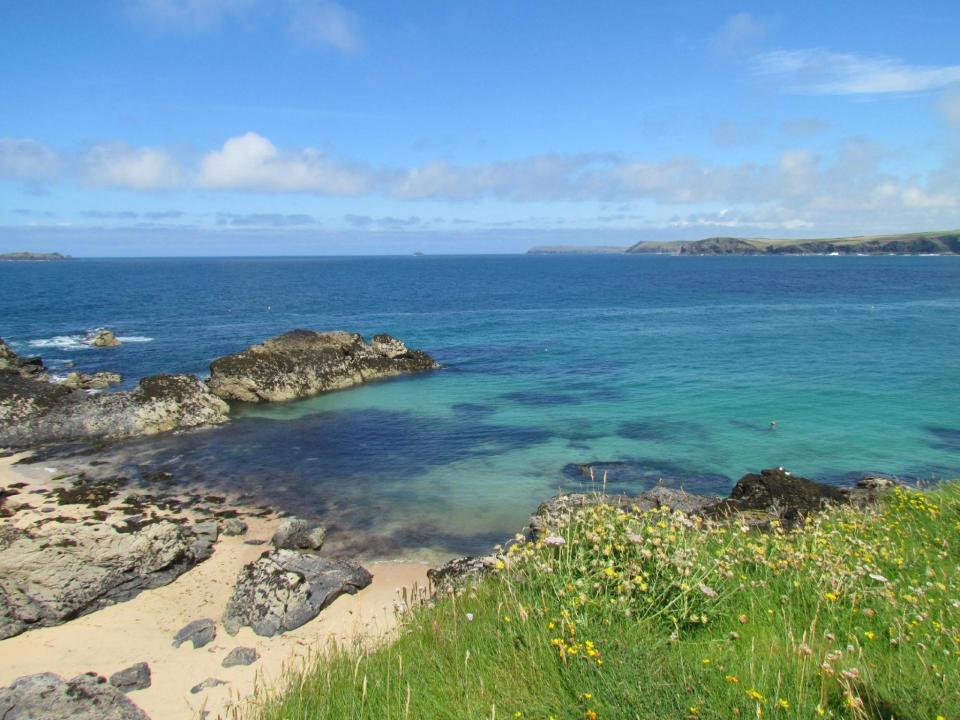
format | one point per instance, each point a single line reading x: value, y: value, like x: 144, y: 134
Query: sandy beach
x: 142, y: 629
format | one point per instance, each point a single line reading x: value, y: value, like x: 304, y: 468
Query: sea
x: 658, y: 369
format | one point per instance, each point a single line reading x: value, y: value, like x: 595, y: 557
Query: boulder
x: 49, y: 697
x: 25, y: 367
x: 198, y: 632
x: 302, y: 363
x: 240, y: 656
x: 284, y: 589
x: 103, y: 338
x: 54, y: 574
x: 297, y: 534
x: 779, y: 494
x: 135, y: 677
x: 97, y: 381
x: 33, y: 413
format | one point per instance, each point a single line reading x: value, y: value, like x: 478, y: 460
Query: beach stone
x: 60, y: 571
x: 34, y: 413
x: 297, y: 534
x: 302, y: 363
x: 135, y: 677
x: 234, y: 526
x: 240, y: 656
x: 198, y: 632
x: 103, y: 338
x: 208, y: 683
x: 49, y: 697
x: 284, y: 589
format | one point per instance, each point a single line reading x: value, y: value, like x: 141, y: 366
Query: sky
x: 306, y: 127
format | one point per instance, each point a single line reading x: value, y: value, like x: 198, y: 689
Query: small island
x: 25, y: 256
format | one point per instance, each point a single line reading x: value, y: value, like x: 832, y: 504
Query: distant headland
x: 926, y: 243
x: 44, y: 257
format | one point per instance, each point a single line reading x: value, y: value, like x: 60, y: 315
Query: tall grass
x: 628, y: 614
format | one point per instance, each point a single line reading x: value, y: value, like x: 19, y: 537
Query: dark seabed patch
x: 473, y: 409
x: 536, y: 398
x: 751, y: 426
x: 660, y: 430
x: 945, y: 438
x: 637, y: 474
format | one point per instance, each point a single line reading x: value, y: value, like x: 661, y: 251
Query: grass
x: 623, y: 614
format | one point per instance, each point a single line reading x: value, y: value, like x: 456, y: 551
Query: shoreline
x: 142, y: 628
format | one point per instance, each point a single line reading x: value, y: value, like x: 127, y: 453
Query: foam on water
x: 84, y: 341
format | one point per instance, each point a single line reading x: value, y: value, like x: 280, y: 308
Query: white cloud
x: 25, y: 159
x: 119, y: 165
x: 326, y: 24
x: 190, y: 15
x: 252, y: 162
x: 948, y: 105
x: 821, y: 72
x: 738, y: 33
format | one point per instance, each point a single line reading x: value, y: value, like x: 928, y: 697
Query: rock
x: 135, y: 677
x: 97, y: 381
x: 198, y: 632
x: 301, y: 363
x: 207, y: 532
x: 24, y: 367
x: 103, y: 338
x: 48, y: 697
x: 297, y: 534
x: 233, y: 527
x: 58, y: 572
x: 240, y: 656
x: 460, y: 571
x: 662, y: 496
x: 33, y: 413
x: 876, y: 483
x: 779, y: 494
x: 208, y: 683
x: 283, y: 589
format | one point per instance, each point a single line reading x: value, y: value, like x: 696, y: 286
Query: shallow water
x: 676, y: 365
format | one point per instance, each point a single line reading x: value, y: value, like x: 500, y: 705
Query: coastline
x: 141, y: 629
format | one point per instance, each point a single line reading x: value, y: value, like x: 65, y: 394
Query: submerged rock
x: 301, y: 363
x: 59, y: 572
x: 49, y: 697
x: 284, y: 589
x: 33, y: 412
x: 135, y: 677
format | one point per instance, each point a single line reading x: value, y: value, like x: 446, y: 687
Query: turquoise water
x: 674, y: 366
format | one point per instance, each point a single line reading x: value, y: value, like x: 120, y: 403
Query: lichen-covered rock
x: 97, y: 381
x: 25, y: 367
x: 103, y: 338
x: 49, y: 697
x: 34, y: 413
x: 302, y: 363
x: 59, y: 572
x: 297, y: 534
x: 284, y: 589
x: 460, y: 571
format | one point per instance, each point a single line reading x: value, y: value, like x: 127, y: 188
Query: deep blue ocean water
x: 672, y: 365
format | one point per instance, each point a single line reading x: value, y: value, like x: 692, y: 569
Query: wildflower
x: 554, y: 541
x: 707, y: 590
x: 830, y: 596
x: 706, y: 661
x: 590, y: 715
x: 469, y: 617
x: 783, y: 704
x: 518, y: 714
x: 732, y: 679
x: 870, y: 635
x: 756, y: 695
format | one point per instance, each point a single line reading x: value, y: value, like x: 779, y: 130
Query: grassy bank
x: 652, y: 615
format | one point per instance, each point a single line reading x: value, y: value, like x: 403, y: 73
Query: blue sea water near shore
x: 674, y: 366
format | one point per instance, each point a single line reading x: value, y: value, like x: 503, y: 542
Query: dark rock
x: 301, y: 363
x: 25, y: 367
x: 233, y: 526
x: 297, y: 534
x: 199, y: 632
x: 778, y: 493
x: 49, y: 697
x: 240, y: 656
x: 255, y: 541
x: 208, y: 683
x: 135, y: 677
x: 284, y: 589
x: 33, y: 412
x: 58, y: 572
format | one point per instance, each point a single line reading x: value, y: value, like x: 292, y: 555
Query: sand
x: 142, y: 629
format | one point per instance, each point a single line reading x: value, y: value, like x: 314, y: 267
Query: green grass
x: 650, y: 615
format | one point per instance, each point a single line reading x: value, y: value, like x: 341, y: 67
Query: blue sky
x: 221, y: 127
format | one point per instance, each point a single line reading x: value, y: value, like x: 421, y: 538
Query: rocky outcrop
x: 97, y: 381
x: 103, y: 338
x: 283, y: 589
x: 24, y: 367
x: 62, y: 571
x: 34, y: 412
x: 302, y: 363
x: 49, y: 697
